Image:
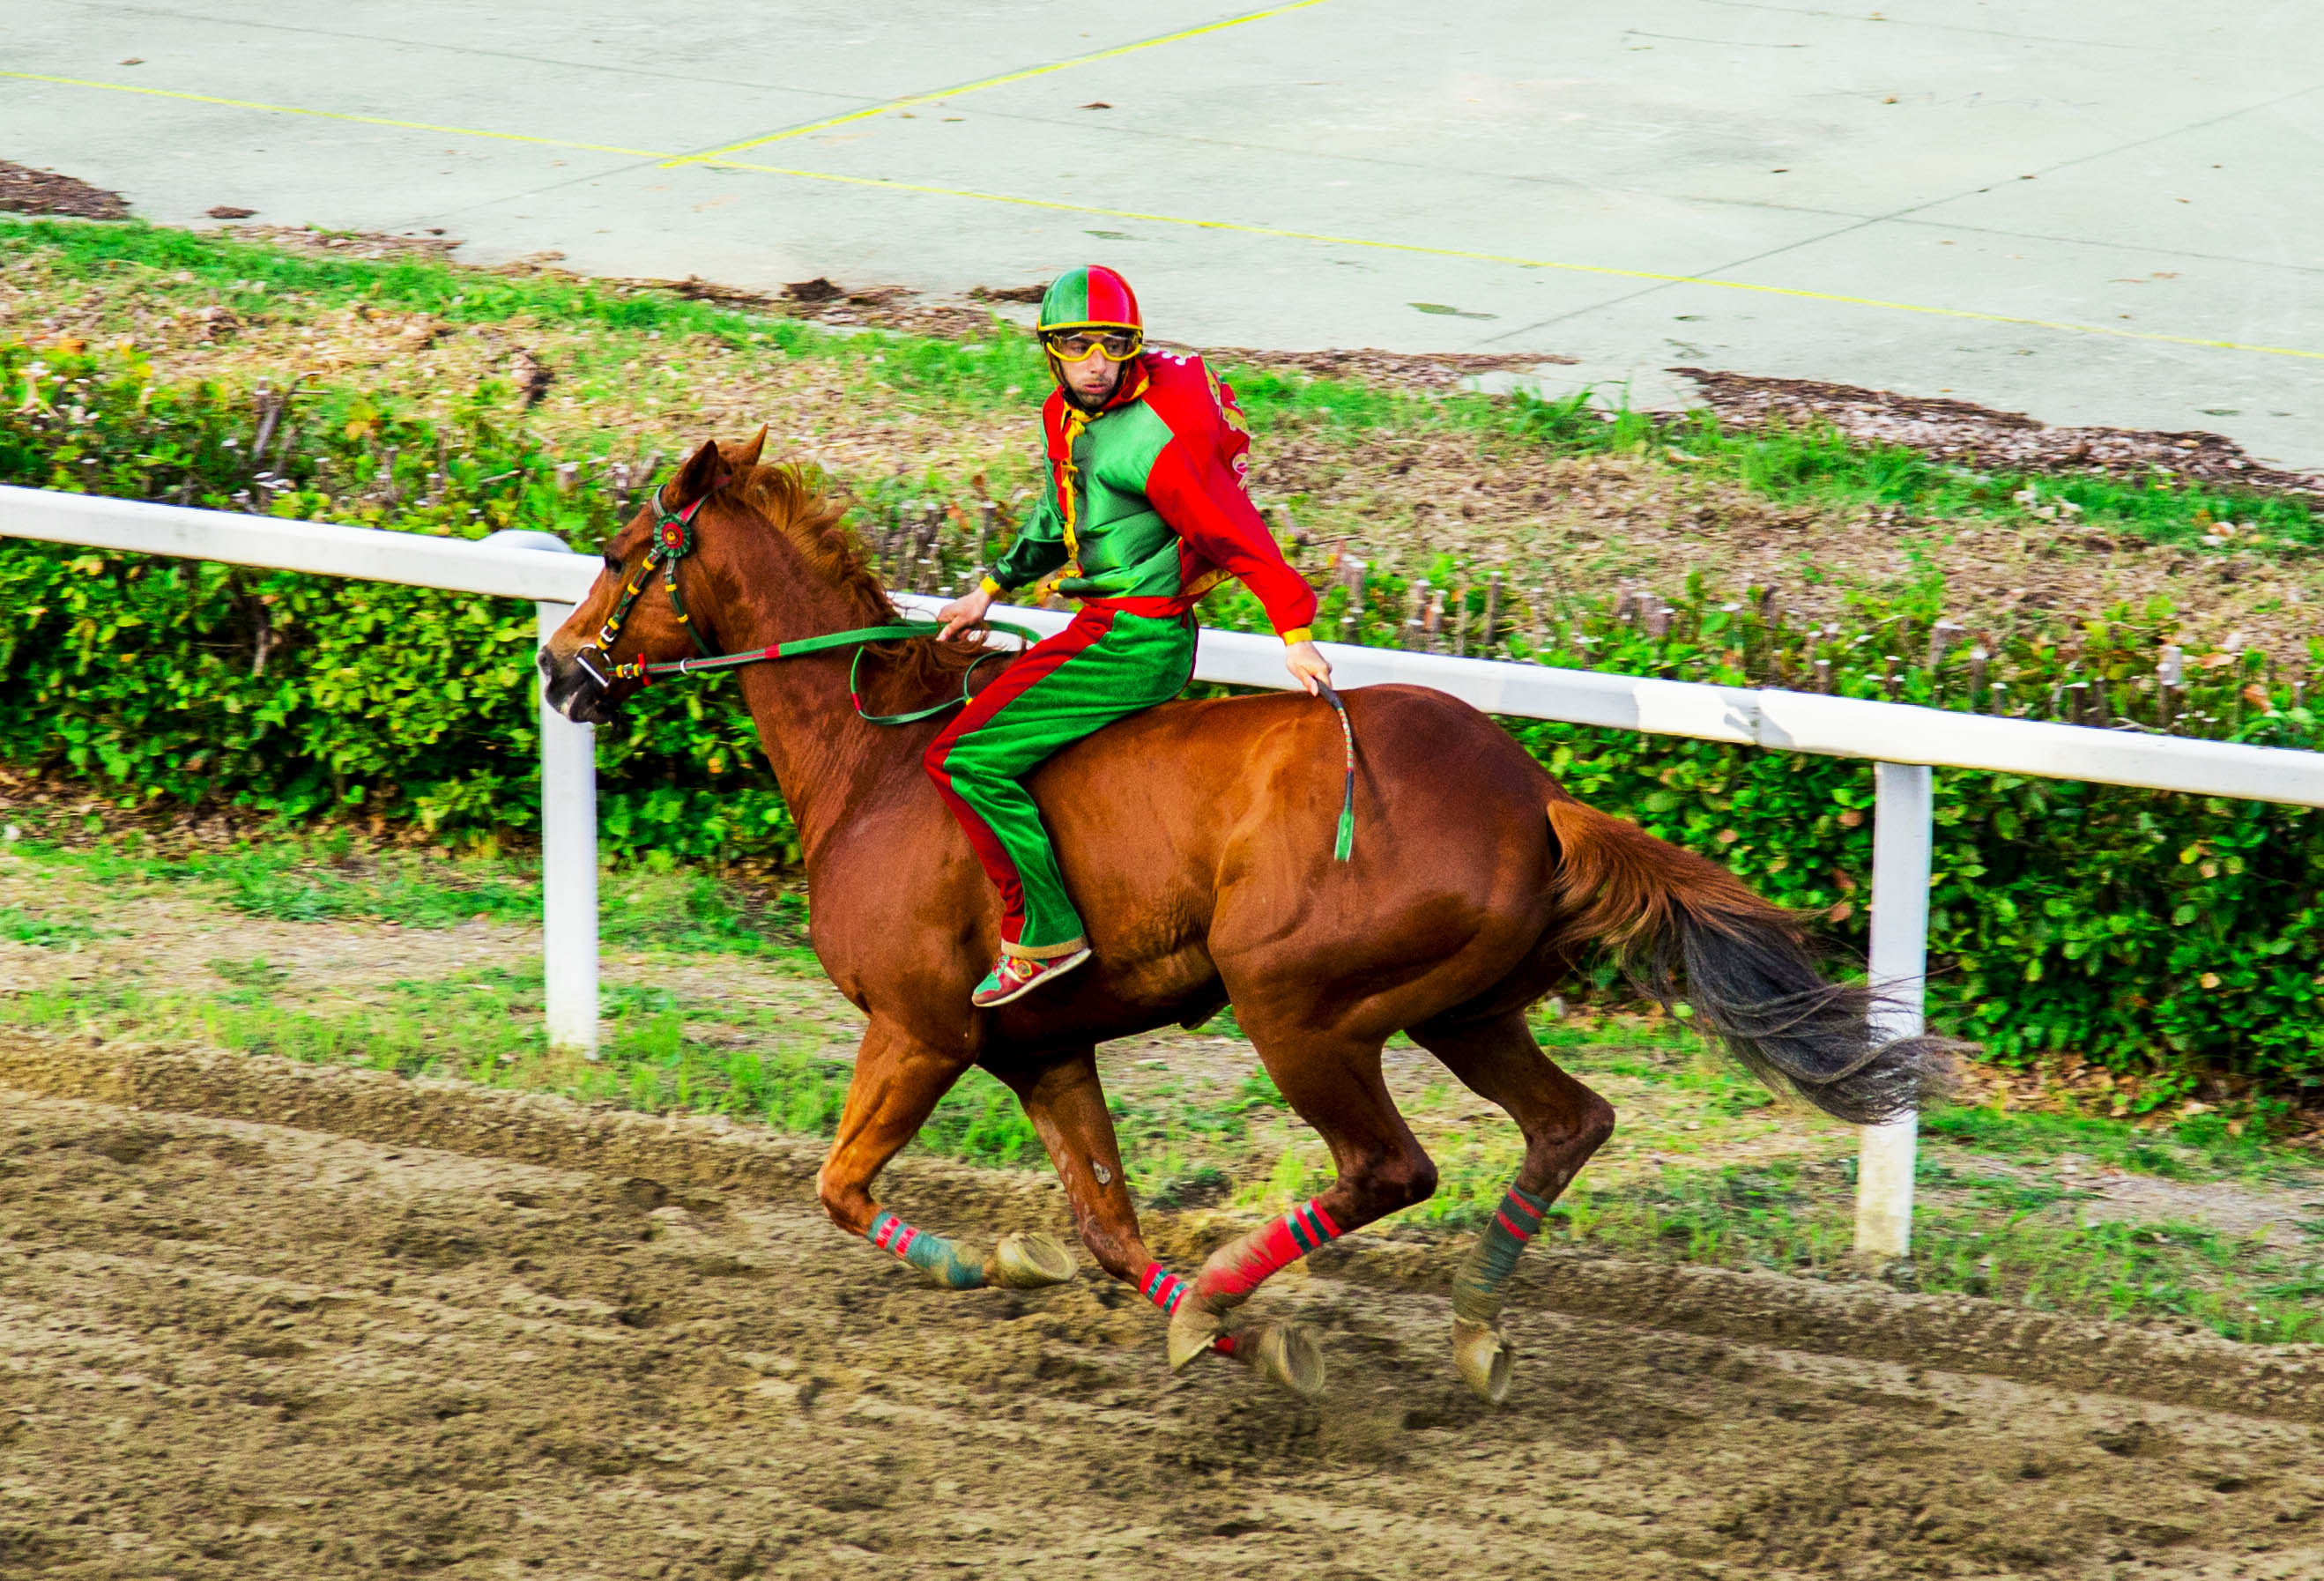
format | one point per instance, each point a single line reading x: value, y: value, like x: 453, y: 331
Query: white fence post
x: 1901, y: 834
x: 569, y: 869
x: 568, y: 845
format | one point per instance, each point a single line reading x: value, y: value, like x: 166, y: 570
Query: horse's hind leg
x: 1334, y: 1083
x: 1563, y: 1124
x: 897, y: 1081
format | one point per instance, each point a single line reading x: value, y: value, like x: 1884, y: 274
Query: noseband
x: 673, y: 540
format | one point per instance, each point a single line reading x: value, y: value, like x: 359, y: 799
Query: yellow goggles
x: 1078, y: 346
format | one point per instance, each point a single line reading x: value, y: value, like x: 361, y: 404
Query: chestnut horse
x: 1198, y: 840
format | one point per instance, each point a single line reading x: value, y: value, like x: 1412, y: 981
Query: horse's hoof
x: 1193, y: 1331
x: 1029, y: 1261
x: 1481, y: 1353
x: 1289, y: 1354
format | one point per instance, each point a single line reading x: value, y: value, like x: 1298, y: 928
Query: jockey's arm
x: 1039, y: 549
x: 1205, y: 504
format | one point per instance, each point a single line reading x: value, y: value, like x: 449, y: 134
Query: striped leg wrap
x: 1165, y: 1289
x: 1477, y: 1291
x: 932, y: 1256
x: 1242, y: 1267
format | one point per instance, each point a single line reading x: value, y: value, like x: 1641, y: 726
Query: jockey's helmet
x: 1088, y: 312
x: 1090, y: 298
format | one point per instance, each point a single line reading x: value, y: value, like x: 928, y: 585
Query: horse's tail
x: 1746, y: 965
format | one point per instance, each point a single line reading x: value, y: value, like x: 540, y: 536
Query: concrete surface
x: 2047, y: 204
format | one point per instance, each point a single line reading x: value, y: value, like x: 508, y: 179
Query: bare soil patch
x: 26, y: 190
x: 1986, y: 439
x: 585, y: 1345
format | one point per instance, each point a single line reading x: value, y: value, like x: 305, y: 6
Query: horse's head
x: 730, y: 556
x: 668, y: 576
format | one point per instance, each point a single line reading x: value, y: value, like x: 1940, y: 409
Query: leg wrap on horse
x: 942, y: 1261
x: 1165, y: 1289
x: 1477, y: 1290
x: 1235, y: 1270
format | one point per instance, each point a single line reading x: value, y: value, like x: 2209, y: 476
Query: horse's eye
x: 614, y: 563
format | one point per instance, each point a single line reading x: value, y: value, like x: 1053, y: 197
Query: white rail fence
x: 1904, y: 741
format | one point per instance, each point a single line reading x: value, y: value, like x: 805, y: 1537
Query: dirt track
x: 236, y: 1349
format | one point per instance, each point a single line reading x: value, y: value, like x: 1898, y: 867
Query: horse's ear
x: 747, y: 457
x: 706, y: 472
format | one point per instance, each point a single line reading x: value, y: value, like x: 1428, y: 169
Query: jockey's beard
x: 1091, y: 400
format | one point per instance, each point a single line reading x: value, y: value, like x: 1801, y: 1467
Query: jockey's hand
x: 1308, y: 664
x: 962, y: 613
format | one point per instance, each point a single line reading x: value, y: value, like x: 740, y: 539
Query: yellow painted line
x: 1522, y: 262
x: 1236, y: 227
x: 205, y: 98
x: 969, y: 87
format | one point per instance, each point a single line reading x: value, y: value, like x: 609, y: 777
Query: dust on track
x: 254, y: 1350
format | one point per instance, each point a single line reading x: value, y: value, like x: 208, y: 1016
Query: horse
x: 1198, y: 841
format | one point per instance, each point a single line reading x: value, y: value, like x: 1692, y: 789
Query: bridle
x: 673, y: 540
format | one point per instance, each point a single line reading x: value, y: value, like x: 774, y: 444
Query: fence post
x: 568, y: 843
x: 1901, y: 839
x: 569, y: 869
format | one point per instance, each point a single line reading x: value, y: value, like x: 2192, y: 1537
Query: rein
x: 639, y: 670
x: 673, y: 540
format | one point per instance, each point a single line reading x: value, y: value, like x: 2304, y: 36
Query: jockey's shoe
x: 1015, y: 976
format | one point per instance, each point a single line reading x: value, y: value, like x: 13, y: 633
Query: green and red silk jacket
x: 1144, y: 507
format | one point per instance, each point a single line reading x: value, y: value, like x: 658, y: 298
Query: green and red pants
x: 1118, y: 657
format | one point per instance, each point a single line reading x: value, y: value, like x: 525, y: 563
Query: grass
x: 334, y: 875
x: 1996, y: 1236
x: 27, y: 928
x: 2207, y: 1146
x: 155, y: 268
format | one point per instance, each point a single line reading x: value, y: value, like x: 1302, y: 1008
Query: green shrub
x: 2162, y: 934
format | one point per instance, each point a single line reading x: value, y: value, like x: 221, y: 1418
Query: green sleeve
x: 1040, y: 546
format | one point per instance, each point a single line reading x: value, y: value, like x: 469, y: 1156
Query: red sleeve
x: 1205, y: 504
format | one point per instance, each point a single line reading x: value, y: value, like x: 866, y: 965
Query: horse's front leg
x: 898, y: 1078
x: 1065, y: 1102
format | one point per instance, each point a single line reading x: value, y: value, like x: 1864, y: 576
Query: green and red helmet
x: 1090, y: 298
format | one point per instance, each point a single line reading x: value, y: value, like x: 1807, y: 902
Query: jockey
x: 1143, y: 514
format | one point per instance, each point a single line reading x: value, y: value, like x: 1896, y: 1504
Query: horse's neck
x: 826, y: 761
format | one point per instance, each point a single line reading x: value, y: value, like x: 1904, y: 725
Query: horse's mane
x: 792, y: 499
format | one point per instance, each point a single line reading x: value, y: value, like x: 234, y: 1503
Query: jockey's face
x: 1092, y: 380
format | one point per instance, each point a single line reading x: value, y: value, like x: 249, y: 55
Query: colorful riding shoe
x: 1015, y: 976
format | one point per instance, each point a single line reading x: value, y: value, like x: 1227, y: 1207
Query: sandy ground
x: 240, y: 1350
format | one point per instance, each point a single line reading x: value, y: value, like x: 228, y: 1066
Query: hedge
x: 2167, y: 937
